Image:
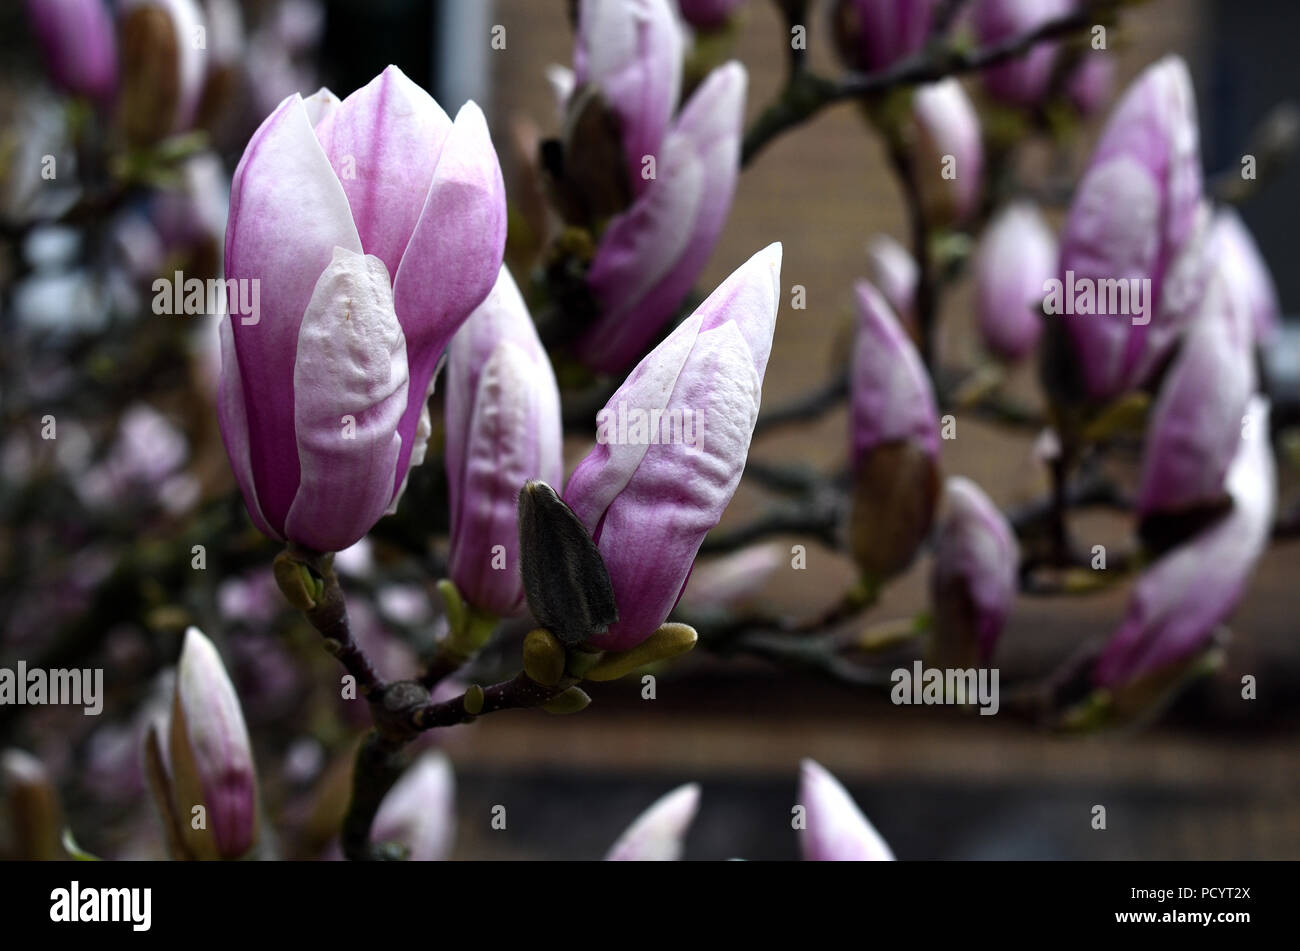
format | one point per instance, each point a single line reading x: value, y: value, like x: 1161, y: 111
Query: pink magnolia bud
x: 976, y: 564
x: 1246, y: 273
x: 895, y: 443
x: 671, y: 445
x: 1196, y: 424
x: 708, y: 14
x: 873, y: 34
x: 1137, y: 218
x: 1025, y: 80
x: 363, y: 243
x: 836, y: 830
x: 1180, y: 599
x: 503, y: 428
x: 632, y: 50
x: 79, y: 43
x: 949, y: 151
x: 657, y: 834
x: 894, y: 272
x: 1016, y: 258
x: 211, y: 759
x: 892, y: 397
x: 419, y: 812
x: 650, y: 255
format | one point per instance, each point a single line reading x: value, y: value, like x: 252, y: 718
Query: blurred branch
x: 806, y: 94
x: 819, y: 517
x: 1273, y: 144
x: 811, y: 405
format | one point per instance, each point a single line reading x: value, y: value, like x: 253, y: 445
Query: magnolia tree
x: 385, y: 365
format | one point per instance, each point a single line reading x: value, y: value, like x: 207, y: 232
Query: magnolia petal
x: 651, y: 533
x: 383, y: 142
x: 651, y: 255
x: 892, y: 397
x: 453, y: 258
x: 288, y: 213
x: 419, y: 812
x: 211, y: 757
x: 749, y: 296
x: 657, y: 834
x: 632, y: 50
x: 351, y: 386
x: 1182, y: 597
x: 1195, y: 429
x: 836, y: 831
x: 232, y: 417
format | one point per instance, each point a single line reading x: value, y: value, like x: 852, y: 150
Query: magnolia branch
x: 806, y: 94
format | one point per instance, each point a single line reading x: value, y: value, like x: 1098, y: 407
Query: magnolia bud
x: 419, y: 812
x: 836, y: 831
x: 657, y: 834
x: 213, y: 780
x: 976, y: 564
x: 162, y: 68
x: 29, y: 810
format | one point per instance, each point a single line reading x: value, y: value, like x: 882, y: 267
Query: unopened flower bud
x: 657, y: 834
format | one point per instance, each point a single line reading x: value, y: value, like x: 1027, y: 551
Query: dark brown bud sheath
x: 565, y: 580
x: 895, y: 491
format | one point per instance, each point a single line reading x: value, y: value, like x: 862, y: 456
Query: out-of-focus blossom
x: 651, y: 254
x: 658, y: 834
x: 836, y: 829
x: 649, y: 492
x: 1245, y: 272
x: 894, y: 442
x: 1182, y: 597
x: 949, y: 151
x: 893, y: 399
x: 632, y: 51
x: 38, y: 142
x: 973, y: 585
x: 894, y: 272
x: 278, y: 62
x: 191, y: 218
x: 503, y: 428
x: 210, y: 762
x: 357, y: 560
x: 873, y: 34
x: 144, y: 463
x: 163, y: 66
x: 1016, y: 258
x: 733, y: 577
x: 708, y: 14
x: 79, y: 43
x: 372, y: 237
x: 1138, y: 216
x: 1196, y: 425
x: 1022, y: 81
x: 419, y: 812
x: 392, y: 657
x: 223, y: 75
x: 1090, y: 85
